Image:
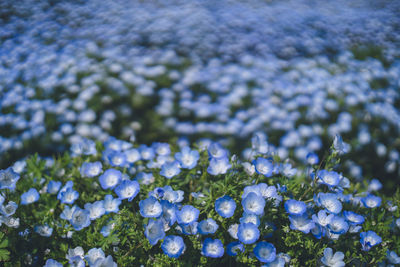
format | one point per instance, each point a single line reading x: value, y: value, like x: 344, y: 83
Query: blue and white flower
x: 150, y: 208
x: 111, y: 204
x: 187, y: 158
x: 53, y: 187
x: 187, y: 215
x: 369, y: 239
x: 96, y: 210
x: 208, y: 226
x: 333, y: 260
x: 253, y: 204
x: 248, y: 233
x: 234, y: 248
x: 80, y: 219
x: 265, y: 252
x: 212, y: 248
x: 127, y: 189
x: 29, y: 197
x: 295, y: 207
x: 173, y: 246
x: 154, y: 231
x: 91, y: 169
x: 371, y: 201
x: 110, y: 178
x: 263, y: 166
x: 218, y: 166
x: 170, y: 169
x: 225, y: 206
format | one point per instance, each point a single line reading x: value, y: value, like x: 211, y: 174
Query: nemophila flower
x: 212, y: 248
x: 225, y: 206
x: 253, y: 204
x: 107, y: 229
x: 340, y: 146
x: 295, y: 207
x: 110, y: 178
x: 150, y: 208
x: 94, y: 254
x: 74, y: 253
x: 263, y: 166
x: 249, y: 168
x: 11, y: 222
x: 127, y: 189
x: 250, y: 218
x: 111, y: 204
x: 91, y: 169
x: 188, y: 229
x: 318, y: 231
x: 53, y: 187
x: 234, y: 248
x: 330, y: 202
x: 173, y: 246
x: 218, y: 166
x: 251, y: 188
x: 312, y: 158
x: 369, y: 239
x: 322, y: 218
x: 215, y: 150
x: 29, y: 197
x: 332, y: 260
x: 265, y: 252
x: 168, y: 212
x: 8, y: 178
x: 146, y: 153
x: 170, y: 169
x: 353, y: 218
x: 108, y: 261
x: 43, y: 230
x: 233, y: 230
x: 374, y: 185
x: 9, y: 209
x: 371, y: 201
x: 67, y: 212
x: 301, y: 223
x: 85, y: 147
x: 270, y: 193
x: 116, y: 159
x: 338, y: 225
x: 95, y: 209
x: 288, y: 170
x: 187, y: 215
x: 248, y: 233
x: 132, y: 155
x: 145, y: 178
x: 329, y: 178
x: 154, y: 231
x: 80, y: 219
x: 187, y: 158
x: 76, y: 262
x: 208, y: 226
x: 69, y: 196
x: 161, y: 148
x: 52, y: 263
x: 392, y: 257
x: 278, y: 262
x: 167, y: 193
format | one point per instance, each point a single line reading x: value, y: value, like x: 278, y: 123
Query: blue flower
x: 110, y: 178
x: 322, y: 218
x: 187, y: 158
x: 154, y: 231
x: 8, y: 209
x: 265, y: 252
x: 161, y: 149
x: 312, y: 158
x: 371, y: 201
x: 248, y: 233
x: 189, y: 229
x: 338, y: 225
x: 173, y: 246
x: 67, y: 212
x: 43, y: 230
x: 170, y: 169
x: 253, y: 204
x: 111, y: 204
x: 108, y: 261
x: 127, y: 189
x: 215, y: 150
x: 96, y: 209
x: 392, y: 257
x: 301, y: 223
x: 106, y: 229
x: 150, y: 208
x: 146, y: 153
x: 168, y: 212
x: 8, y: 178
x: 80, y: 219
x: 353, y: 218
x: 145, y: 178
x: 294, y: 207
x: 330, y: 202
x: 340, y: 146
x: 233, y: 248
x: 329, y: 178
x: 369, y: 239
x: 333, y: 260
x: 212, y: 248
x: 225, y: 206
x: 374, y: 185
x: 218, y: 166
x: 318, y: 231
x: 132, y: 155
x: 30, y: 197
x: 53, y: 187
x: 208, y: 226
x: 67, y: 185
x: 69, y: 196
x: 263, y: 166
x: 52, y: 263
x: 116, y: 159
x: 187, y: 215
x: 250, y: 218
x: 93, y: 255
x: 85, y: 147
x: 89, y: 169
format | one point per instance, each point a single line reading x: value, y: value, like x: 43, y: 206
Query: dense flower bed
x: 119, y: 203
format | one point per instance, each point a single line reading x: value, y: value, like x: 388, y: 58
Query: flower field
x: 199, y: 133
